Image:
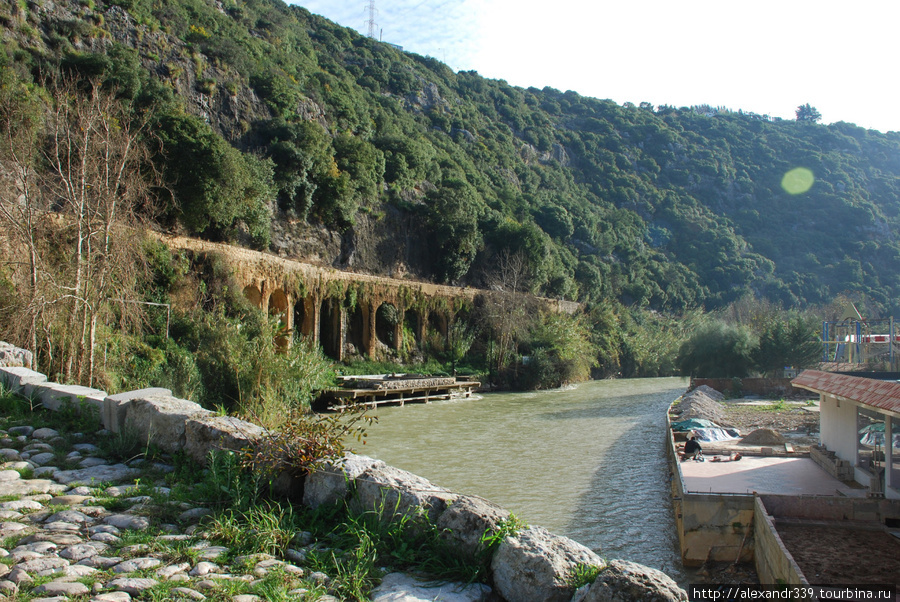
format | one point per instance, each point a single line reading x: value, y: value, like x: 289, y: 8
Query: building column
x: 312, y: 316
x: 371, y: 336
x: 889, y: 451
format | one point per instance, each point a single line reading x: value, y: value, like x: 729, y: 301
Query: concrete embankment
x: 529, y: 564
x: 716, y: 523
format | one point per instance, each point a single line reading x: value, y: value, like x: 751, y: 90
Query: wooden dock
x: 391, y: 390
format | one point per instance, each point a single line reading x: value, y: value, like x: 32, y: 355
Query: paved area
x: 790, y: 476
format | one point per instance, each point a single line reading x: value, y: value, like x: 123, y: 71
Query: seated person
x: 692, y: 449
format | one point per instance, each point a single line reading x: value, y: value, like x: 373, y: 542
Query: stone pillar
x: 422, y: 327
x: 312, y: 311
x: 370, y: 336
x: 398, y: 331
x: 339, y: 329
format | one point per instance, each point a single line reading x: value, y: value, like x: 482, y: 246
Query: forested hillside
x: 273, y: 123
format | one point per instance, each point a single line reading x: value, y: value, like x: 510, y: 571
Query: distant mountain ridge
x: 279, y: 129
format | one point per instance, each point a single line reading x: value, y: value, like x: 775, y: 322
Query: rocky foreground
x: 66, y: 532
x: 75, y: 525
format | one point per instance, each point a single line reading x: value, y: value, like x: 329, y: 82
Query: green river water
x: 586, y: 462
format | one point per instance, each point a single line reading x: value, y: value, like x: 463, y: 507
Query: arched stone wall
x: 253, y: 295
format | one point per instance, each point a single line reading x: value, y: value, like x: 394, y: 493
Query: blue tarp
x: 693, y: 424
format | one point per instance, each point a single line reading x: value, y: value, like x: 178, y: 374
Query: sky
x: 766, y: 56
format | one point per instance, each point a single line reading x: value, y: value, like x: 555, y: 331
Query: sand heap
x: 763, y: 437
x: 702, y: 403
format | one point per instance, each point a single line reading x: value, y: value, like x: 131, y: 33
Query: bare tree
x: 505, y: 313
x: 89, y: 173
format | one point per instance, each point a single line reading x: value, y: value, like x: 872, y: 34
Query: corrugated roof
x: 881, y: 395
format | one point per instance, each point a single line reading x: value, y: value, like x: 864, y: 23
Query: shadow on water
x: 627, y: 508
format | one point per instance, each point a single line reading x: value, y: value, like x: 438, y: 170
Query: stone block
x: 18, y: 378
x: 115, y: 406
x: 206, y: 433
x: 535, y: 564
x: 161, y: 419
x: 53, y: 396
x: 331, y: 483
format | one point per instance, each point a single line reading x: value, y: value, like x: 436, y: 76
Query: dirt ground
x: 794, y: 421
x: 840, y: 556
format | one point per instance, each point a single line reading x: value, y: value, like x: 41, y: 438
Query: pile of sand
x: 699, y: 404
x: 709, y: 392
x: 763, y: 437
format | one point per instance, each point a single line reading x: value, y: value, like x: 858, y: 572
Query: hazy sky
x: 768, y: 56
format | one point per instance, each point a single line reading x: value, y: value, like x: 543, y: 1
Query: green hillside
x: 660, y: 207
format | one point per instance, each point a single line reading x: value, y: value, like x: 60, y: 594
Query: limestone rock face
x: 330, y: 483
x: 206, y: 433
x: 536, y: 564
x: 624, y: 581
x: 466, y: 519
x: 161, y: 419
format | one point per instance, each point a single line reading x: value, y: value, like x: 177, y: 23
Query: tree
x: 84, y: 269
x: 808, y: 113
x: 453, y: 216
x: 787, y: 342
x: 717, y: 350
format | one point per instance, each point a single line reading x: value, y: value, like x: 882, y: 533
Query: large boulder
x: 535, y: 564
x: 331, y: 483
x: 466, y: 519
x: 206, y: 433
x: 10, y: 355
x: 161, y: 419
x: 624, y: 581
x: 390, y: 491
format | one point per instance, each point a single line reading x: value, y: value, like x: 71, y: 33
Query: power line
x: 371, y: 22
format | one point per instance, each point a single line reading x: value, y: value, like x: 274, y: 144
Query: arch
x: 331, y: 329
x: 414, y: 322
x: 278, y: 307
x: 387, y: 316
x: 356, y: 329
x: 253, y: 295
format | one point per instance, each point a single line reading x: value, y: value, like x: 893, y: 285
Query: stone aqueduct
x: 342, y: 311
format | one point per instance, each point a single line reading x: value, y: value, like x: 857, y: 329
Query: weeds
x: 583, y: 574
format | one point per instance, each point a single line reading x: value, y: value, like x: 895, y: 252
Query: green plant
x: 583, y: 574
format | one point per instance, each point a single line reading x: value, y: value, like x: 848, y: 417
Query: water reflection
x: 588, y: 463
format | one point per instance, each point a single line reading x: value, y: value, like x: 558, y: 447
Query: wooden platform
x: 398, y: 393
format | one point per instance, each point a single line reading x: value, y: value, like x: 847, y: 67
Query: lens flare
x: 798, y: 180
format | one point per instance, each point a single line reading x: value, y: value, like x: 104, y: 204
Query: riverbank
x: 217, y: 549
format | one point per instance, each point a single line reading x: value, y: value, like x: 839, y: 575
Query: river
x: 586, y: 462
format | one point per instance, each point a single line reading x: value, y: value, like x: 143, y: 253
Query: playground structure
x: 861, y: 341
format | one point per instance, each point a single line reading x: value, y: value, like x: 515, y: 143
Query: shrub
x: 717, y: 350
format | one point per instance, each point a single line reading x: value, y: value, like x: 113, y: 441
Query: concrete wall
x: 837, y: 424
x: 831, y: 508
x: 765, y: 387
x: 774, y: 564
x: 710, y: 526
